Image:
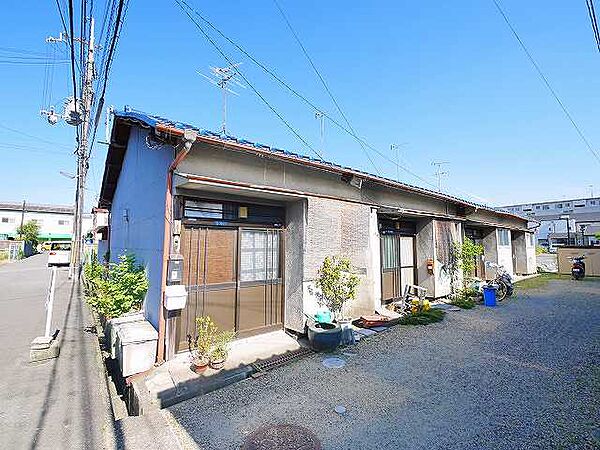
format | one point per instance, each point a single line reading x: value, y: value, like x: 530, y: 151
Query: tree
x: 336, y: 283
x: 29, y: 231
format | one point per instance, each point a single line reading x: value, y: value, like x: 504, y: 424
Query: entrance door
x: 398, y: 265
x: 232, y: 275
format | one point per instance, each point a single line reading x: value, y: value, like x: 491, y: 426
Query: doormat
x: 280, y: 360
x: 282, y: 437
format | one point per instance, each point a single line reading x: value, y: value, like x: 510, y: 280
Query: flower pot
x: 199, y: 364
x: 217, y: 364
x: 324, y: 336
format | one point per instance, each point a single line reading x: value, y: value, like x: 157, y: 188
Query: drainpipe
x: 188, y: 138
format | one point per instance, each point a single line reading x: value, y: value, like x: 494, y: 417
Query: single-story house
x: 245, y: 227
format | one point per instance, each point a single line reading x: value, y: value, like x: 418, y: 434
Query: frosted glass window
x: 406, y: 251
x: 259, y: 258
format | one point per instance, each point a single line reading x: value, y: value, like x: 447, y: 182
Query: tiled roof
x: 152, y: 120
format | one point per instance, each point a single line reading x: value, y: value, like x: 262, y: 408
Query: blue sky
x: 446, y: 78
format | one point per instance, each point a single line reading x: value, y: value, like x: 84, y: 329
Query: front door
x: 232, y: 275
x: 398, y: 265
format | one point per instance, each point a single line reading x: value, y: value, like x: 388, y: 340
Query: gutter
x: 188, y: 137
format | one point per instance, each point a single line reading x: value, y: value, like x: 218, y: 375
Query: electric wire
x: 324, y: 83
x: 593, y: 21
x: 305, y: 99
x: 71, y: 38
x: 232, y: 64
x: 546, y: 82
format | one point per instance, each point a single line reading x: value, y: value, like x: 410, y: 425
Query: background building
x: 563, y: 222
x: 55, y: 221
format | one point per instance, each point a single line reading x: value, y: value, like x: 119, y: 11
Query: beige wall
x: 592, y: 260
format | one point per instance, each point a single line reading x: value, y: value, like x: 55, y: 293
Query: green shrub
x: 117, y: 289
x: 424, y: 317
x: 464, y: 302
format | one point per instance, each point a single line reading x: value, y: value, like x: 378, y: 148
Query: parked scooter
x: 577, y: 267
x: 503, y: 281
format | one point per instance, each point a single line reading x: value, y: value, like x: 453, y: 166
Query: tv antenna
x: 320, y: 116
x: 222, y: 77
x: 396, y: 148
x: 439, y: 173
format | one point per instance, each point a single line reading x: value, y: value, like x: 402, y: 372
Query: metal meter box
x: 175, y: 269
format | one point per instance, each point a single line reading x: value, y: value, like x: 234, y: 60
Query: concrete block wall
x: 294, y: 265
x: 342, y: 229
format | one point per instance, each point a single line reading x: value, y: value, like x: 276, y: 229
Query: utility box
x: 112, y: 327
x: 175, y: 297
x: 175, y: 269
x: 136, y: 347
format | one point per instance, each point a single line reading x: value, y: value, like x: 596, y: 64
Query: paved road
x: 525, y: 375
x: 60, y: 403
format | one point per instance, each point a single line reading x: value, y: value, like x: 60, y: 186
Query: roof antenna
x: 221, y: 77
x: 439, y: 173
x: 320, y: 116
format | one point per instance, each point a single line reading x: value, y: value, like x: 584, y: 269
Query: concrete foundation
x: 44, y: 348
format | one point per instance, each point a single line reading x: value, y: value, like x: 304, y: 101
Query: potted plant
x: 206, y: 331
x: 220, y: 349
x: 336, y: 284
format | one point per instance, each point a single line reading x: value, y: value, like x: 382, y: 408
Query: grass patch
x: 540, y: 281
x: 464, y: 303
x: 424, y: 317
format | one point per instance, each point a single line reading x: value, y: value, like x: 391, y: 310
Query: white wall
x: 138, y: 211
x: 49, y: 222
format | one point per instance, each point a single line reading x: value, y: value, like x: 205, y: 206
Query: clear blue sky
x: 447, y: 78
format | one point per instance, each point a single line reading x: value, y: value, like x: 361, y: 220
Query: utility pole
x: 22, y: 220
x: 439, y: 173
x: 87, y: 98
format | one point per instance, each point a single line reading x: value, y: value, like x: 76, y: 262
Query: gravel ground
x: 525, y: 375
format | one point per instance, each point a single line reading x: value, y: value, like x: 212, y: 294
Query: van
x: 59, y: 254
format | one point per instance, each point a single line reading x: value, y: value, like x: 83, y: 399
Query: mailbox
x: 175, y: 297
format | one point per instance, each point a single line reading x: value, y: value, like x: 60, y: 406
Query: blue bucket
x: 489, y: 295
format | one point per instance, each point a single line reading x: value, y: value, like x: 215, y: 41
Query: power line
x: 318, y: 73
x: 31, y: 136
x: 594, y: 21
x: 264, y: 100
x: 304, y: 98
x: 546, y: 82
x: 72, y: 45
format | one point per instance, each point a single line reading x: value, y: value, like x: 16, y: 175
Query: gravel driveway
x: 524, y: 375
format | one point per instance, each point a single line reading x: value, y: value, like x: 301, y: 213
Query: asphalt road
x: 61, y: 403
x: 525, y: 375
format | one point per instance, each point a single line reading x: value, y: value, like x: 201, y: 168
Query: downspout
x: 188, y: 138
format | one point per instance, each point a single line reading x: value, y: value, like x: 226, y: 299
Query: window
x: 259, y: 259
x: 546, y: 207
x: 559, y: 206
x: 63, y: 222
x: 390, y: 252
x: 203, y: 210
x: 593, y: 202
x: 62, y: 246
x: 503, y: 237
x: 567, y: 205
x: 8, y: 220
x: 538, y: 207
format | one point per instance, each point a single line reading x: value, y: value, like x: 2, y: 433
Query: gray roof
x: 37, y: 207
x: 151, y: 121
